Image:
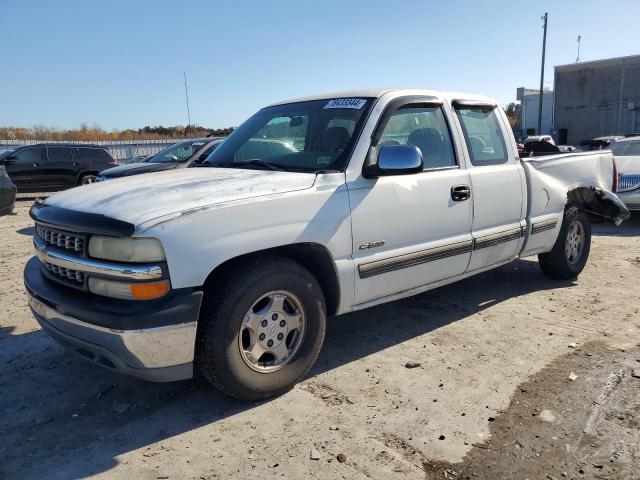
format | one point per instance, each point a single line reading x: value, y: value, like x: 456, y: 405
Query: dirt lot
x: 492, y: 398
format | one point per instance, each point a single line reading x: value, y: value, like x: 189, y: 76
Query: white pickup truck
x: 313, y: 207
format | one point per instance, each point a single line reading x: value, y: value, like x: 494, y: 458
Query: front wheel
x: 87, y: 180
x: 570, y: 252
x: 261, y: 328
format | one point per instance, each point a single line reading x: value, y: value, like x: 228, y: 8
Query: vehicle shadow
x: 65, y: 418
x: 628, y: 228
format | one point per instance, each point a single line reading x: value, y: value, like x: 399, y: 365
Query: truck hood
x: 142, y: 198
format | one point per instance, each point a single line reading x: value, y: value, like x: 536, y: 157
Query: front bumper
x: 152, y: 340
x: 631, y: 199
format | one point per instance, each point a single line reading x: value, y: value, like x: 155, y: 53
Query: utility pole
x: 186, y: 95
x: 544, y: 46
x: 578, y: 57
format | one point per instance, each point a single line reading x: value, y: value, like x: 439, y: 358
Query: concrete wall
x: 595, y: 99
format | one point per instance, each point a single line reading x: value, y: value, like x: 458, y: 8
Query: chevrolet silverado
x: 233, y: 268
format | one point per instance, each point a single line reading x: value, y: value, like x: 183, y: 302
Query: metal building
x: 595, y: 99
x: 529, y: 105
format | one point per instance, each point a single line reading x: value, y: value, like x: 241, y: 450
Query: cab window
x: 425, y: 127
x: 483, y: 135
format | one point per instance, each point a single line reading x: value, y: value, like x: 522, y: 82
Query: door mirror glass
x: 396, y: 160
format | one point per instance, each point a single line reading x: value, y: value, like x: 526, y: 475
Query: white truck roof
x: 378, y: 92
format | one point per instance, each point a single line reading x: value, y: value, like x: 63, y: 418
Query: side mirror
x: 10, y: 159
x: 395, y: 160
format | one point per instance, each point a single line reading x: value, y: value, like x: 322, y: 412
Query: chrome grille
x: 60, y: 239
x: 627, y: 183
x: 65, y: 273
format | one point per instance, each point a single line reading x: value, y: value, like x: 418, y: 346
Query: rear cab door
x: 62, y: 166
x: 498, y: 182
x: 408, y: 230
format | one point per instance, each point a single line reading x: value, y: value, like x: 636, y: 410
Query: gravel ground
x: 492, y: 397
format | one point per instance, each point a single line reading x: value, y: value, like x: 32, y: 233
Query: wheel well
x: 597, y: 204
x: 314, y: 257
x: 85, y: 173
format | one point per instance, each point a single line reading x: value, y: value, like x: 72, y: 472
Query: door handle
x: 460, y: 193
x: 36, y: 164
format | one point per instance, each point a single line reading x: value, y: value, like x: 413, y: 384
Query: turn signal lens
x: 149, y: 291
x: 129, y: 291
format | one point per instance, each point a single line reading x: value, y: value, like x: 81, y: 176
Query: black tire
x: 556, y: 263
x: 218, y: 351
x: 87, y: 179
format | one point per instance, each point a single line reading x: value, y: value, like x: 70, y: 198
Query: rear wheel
x: 570, y: 252
x: 261, y: 328
x: 87, y: 179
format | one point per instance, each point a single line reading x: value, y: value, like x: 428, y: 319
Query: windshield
x: 7, y: 153
x: 304, y: 136
x: 179, y: 152
x: 625, y: 149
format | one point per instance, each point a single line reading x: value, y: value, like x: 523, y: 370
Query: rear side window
x: 88, y: 153
x: 103, y: 154
x: 60, y: 154
x: 425, y: 127
x: 483, y: 135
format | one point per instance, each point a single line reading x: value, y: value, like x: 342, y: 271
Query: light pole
x: 544, y: 46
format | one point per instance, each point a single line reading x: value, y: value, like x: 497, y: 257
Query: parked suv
x: 46, y: 167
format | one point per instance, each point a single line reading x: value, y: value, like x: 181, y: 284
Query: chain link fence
x: 119, y: 149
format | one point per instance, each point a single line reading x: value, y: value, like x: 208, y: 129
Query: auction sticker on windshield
x: 356, y: 103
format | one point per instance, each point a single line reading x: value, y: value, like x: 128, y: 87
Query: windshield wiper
x: 260, y: 163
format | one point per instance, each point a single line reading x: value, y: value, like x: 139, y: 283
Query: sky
x: 119, y: 64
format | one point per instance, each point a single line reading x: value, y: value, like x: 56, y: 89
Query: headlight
x: 100, y: 178
x: 129, y: 291
x: 127, y: 249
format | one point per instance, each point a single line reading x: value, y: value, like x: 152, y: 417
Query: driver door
x: 411, y: 230
x: 26, y: 167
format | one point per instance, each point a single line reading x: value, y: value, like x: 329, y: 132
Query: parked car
x: 179, y: 155
x: 600, y: 143
x: 233, y: 268
x: 51, y: 167
x: 567, y: 148
x: 134, y: 159
x: 626, y: 153
x: 7, y: 193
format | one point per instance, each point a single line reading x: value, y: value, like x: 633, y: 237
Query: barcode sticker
x: 356, y: 103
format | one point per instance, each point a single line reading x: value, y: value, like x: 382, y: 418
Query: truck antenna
x: 186, y: 95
